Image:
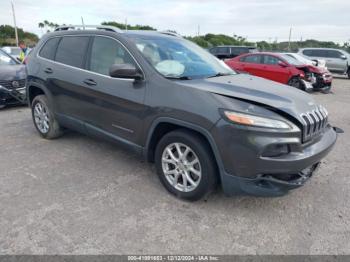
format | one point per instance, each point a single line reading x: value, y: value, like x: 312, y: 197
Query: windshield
x: 6, y: 60
x: 178, y: 58
x: 291, y: 60
x: 301, y: 59
x: 15, y: 51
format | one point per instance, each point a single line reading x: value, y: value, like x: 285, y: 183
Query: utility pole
x: 126, y: 24
x: 290, y: 36
x: 14, y: 21
x: 198, y: 30
x: 82, y: 22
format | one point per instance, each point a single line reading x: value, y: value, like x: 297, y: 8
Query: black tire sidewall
x: 295, y: 78
x: 208, y: 168
x: 53, y: 125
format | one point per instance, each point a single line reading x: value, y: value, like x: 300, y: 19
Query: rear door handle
x: 90, y: 82
x: 48, y: 70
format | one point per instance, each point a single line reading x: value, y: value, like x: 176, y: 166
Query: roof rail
x: 86, y: 27
x: 170, y: 33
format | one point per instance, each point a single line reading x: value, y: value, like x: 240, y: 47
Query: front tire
x: 295, y: 82
x: 185, y: 165
x: 44, y: 120
x: 348, y: 73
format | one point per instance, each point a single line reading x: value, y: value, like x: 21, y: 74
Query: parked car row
x: 284, y: 69
x: 309, y: 69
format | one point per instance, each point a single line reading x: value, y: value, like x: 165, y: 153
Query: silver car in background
x: 337, y: 60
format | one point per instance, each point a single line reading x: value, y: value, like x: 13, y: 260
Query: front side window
x: 49, y: 49
x: 270, y: 60
x: 106, y: 52
x: 71, y: 50
x: 178, y: 58
x: 334, y: 54
x: 5, y: 59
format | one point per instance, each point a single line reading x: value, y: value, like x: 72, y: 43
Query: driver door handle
x: 48, y: 70
x: 90, y: 82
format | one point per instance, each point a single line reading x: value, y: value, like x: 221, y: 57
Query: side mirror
x: 315, y: 62
x: 128, y: 71
x: 282, y: 64
x: 343, y: 57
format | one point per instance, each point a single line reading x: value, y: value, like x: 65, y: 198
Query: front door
x: 113, y: 105
x: 273, y: 70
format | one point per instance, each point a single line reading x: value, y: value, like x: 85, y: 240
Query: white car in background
x: 304, y: 60
x: 13, y: 51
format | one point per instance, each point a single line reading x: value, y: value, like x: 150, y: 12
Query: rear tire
x: 190, y: 174
x: 295, y: 82
x: 43, y: 118
x: 349, y: 72
x: 2, y: 106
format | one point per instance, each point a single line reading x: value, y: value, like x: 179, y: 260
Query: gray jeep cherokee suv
x: 168, y: 99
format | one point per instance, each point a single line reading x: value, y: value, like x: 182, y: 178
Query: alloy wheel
x: 181, y: 167
x: 41, y: 117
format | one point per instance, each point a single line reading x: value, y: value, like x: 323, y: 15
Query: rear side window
x: 106, y: 52
x: 308, y: 52
x: 49, y: 49
x: 71, y: 50
x: 213, y: 50
x: 222, y: 50
x: 255, y: 59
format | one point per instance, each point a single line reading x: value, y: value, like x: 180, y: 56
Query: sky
x: 256, y: 20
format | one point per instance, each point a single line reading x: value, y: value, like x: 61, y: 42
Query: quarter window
x: 105, y: 52
x: 71, y: 50
x: 49, y: 49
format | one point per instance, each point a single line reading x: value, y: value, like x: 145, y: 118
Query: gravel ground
x: 77, y: 195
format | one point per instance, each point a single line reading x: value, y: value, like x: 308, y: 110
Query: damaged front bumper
x: 268, y: 185
x: 12, y: 96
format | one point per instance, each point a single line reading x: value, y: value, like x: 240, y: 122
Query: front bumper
x: 12, y: 97
x: 245, y: 171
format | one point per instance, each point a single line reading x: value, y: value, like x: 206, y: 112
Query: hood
x: 314, y: 69
x: 282, y: 97
x: 12, y: 72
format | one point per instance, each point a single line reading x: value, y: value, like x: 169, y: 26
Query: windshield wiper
x: 220, y: 74
x: 178, y: 77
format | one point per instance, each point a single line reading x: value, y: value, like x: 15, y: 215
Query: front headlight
x: 258, y: 121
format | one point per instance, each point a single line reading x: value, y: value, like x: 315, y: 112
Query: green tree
x: 129, y: 27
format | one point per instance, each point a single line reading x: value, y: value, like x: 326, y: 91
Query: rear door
x: 65, y: 77
x: 273, y: 71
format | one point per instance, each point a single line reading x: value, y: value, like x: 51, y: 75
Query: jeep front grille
x: 314, y: 122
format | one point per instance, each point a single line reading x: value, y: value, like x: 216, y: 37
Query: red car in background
x: 283, y: 69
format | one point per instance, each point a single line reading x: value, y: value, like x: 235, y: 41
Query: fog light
x: 276, y: 150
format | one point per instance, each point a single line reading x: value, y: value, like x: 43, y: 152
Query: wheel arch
x: 33, y: 91
x: 164, y: 125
